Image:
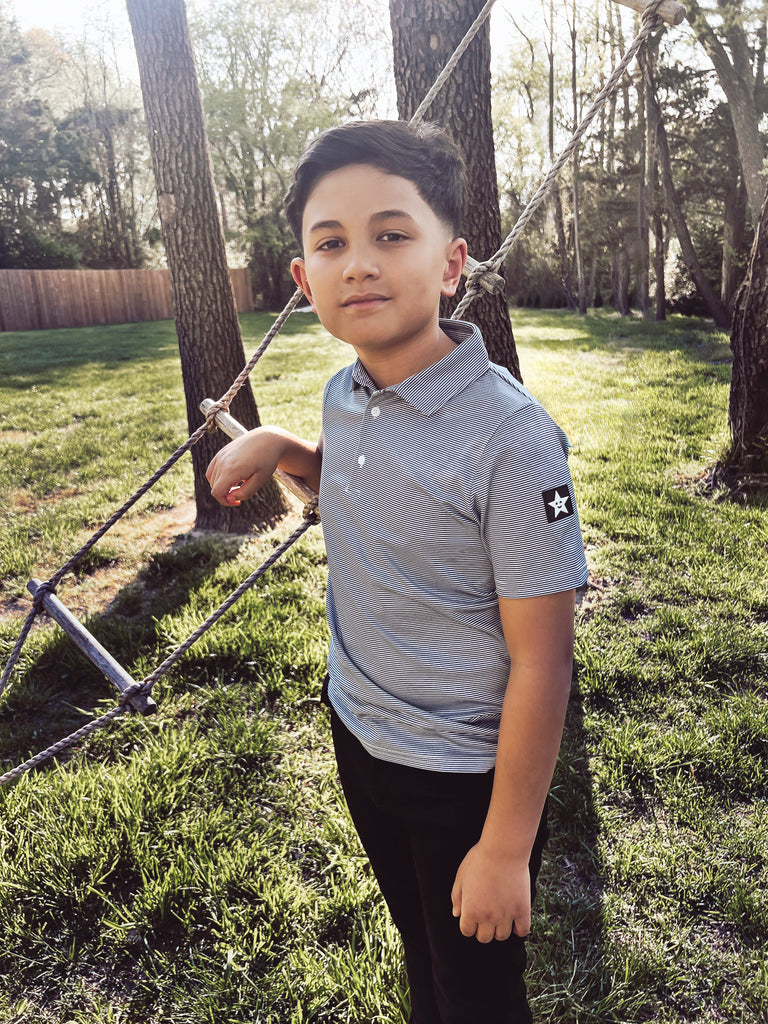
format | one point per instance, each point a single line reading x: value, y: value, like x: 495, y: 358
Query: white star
x: 560, y: 504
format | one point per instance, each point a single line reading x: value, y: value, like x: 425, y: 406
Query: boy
x: 454, y: 550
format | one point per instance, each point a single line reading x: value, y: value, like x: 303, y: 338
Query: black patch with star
x: 558, y: 504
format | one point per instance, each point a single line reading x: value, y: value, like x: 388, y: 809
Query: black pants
x: 416, y: 827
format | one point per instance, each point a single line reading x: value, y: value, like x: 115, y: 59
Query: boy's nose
x: 361, y: 264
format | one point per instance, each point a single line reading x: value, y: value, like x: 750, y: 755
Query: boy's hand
x: 243, y: 466
x: 492, y: 896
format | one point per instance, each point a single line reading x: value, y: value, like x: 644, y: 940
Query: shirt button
x: 361, y: 460
x: 375, y: 412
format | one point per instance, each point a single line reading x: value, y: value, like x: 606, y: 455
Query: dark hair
x: 422, y: 154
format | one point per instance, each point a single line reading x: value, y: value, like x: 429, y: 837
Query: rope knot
x: 484, y: 275
x: 210, y: 417
x: 124, y: 700
x: 311, y: 513
x: 41, y: 592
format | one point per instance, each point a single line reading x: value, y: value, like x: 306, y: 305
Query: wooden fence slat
x: 34, y: 299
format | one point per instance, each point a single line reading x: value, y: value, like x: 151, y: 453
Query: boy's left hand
x: 492, y: 895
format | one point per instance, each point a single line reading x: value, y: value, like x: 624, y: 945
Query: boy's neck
x: 390, y: 367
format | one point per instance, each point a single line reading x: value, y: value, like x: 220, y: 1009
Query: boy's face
x: 376, y: 261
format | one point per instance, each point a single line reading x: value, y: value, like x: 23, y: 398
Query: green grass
x: 200, y: 866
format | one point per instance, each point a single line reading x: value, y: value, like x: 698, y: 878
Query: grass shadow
x: 58, y: 688
x: 567, y: 981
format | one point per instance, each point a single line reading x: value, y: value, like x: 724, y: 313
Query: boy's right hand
x: 243, y: 466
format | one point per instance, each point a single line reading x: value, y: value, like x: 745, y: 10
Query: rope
x: 224, y: 402
x: 145, y: 686
x: 649, y: 23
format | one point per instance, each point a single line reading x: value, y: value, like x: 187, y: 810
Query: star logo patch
x: 558, y: 504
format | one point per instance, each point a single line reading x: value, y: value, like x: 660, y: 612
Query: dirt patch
x: 595, y: 591
x: 137, y: 537
x: 15, y: 436
x: 22, y: 499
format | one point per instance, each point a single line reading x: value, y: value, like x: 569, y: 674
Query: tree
x: 271, y: 78
x: 739, y: 64
x: 716, y: 309
x: 208, y: 330
x: 748, y: 405
x: 424, y: 36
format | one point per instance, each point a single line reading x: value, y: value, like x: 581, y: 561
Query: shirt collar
x: 432, y: 387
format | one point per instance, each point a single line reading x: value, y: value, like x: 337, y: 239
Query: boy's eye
x: 329, y: 243
x: 393, y: 236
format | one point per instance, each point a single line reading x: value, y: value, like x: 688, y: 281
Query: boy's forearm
x: 491, y: 894
x: 541, y: 653
x: 244, y: 465
x: 529, y: 741
x: 299, y: 457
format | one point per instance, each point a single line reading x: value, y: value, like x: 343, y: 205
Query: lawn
x: 199, y: 866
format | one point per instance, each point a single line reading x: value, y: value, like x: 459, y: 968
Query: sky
x: 74, y: 18
x: 73, y: 15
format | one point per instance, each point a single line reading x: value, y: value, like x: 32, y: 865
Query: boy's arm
x: 245, y: 464
x: 492, y: 894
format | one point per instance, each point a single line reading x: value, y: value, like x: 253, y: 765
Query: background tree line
x: 657, y: 211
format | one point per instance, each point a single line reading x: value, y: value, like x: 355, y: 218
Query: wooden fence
x: 34, y: 299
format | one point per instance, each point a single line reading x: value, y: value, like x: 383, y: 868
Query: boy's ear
x: 455, y: 258
x: 299, y: 275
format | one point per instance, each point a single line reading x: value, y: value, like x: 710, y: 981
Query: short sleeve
x: 527, y: 508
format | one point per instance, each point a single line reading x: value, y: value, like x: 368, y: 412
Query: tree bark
x: 717, y: 310
x: 659, y: 253
x: 210, y: 343
x: 748, y: 405
x: 734, y: 230
x: 644, y: 200
x: 424, y: 36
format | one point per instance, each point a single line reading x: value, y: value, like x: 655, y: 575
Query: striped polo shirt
x: 436, y: 496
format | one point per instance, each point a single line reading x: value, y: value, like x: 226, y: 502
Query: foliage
x: 614, y: 182
x: 272, y: 77
x: 200, y: 866
x: 70, y: 157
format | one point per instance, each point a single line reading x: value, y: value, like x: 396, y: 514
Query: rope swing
x: 137, y: 696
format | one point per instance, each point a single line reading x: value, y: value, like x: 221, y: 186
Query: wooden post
x: 670, y: 10
x: 232, y: 428
x: 93, y: 650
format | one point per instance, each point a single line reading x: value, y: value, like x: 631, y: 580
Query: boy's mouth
x: 361, y: 301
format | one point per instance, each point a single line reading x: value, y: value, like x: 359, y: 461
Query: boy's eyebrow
x: 325, y: 225
x: 389, y: 214
x: 335, y: 225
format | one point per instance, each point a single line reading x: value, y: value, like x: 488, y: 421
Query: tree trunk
x: 717, y: 310
x: 621, y: 275
x: 557, y: 203
x: 734, y: 229
x: 580, y: 282
x: 644, y: 200
x: 562, y: 247
x: 424, y: 36
x: 659, y: 254
x: 748, y: 407
x: 208, y: 330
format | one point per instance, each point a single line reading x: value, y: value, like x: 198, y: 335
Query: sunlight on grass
x: 201, y: 867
